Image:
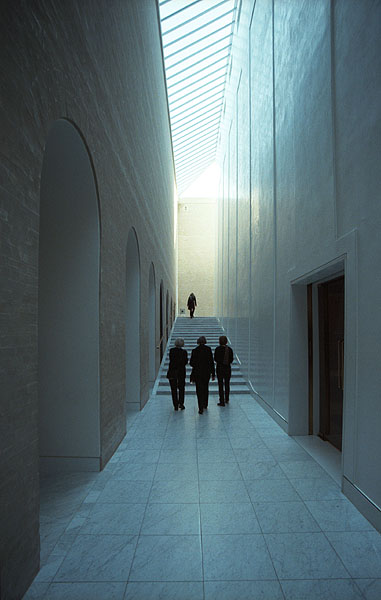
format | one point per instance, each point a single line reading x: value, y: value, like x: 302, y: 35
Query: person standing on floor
x: 223, y: 355
x: 178, y: 358
x: 202, y: 369
x: 192, y: 303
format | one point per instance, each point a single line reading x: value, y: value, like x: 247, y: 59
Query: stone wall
x: 99, y: 65
x: 197, y: 221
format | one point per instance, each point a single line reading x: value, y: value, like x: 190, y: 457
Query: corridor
x: 223, y: 505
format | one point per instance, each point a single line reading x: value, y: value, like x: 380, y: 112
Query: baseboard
x: 367, y: 508
x: 269, y: 409
x: 69, y: 464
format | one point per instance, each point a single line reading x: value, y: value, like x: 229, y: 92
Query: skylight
x: 197, y: 37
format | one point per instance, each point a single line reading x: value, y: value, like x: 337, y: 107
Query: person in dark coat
x: 203, y: 367
x: 178, y: 358
x: 192, y: 303
x: 223, y: 355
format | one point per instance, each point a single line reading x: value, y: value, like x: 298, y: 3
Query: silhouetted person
x: 203, y: 367
x: 192, y: 303
x: 223, y: 355
x: 178, y: 358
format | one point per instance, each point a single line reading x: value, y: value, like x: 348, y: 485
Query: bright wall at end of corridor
x: 196, y: 254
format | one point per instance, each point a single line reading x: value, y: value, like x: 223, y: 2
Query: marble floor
x: 222, y: 506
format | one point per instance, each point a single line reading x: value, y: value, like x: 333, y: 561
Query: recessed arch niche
x: 166, y: 316
x: 151, y: 325
x: 161, y: 317
x: 68, y: 308
x: 132, y: 322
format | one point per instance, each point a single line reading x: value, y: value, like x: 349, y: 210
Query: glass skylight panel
x: 193, y: 91
x: 176, y: 41
x: 196, y: 43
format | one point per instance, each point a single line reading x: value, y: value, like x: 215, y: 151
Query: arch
x: 68, y: 306
x: 132, y: 322
x: 151, y: 325
x: 161, y: 329
x: 166, y: 316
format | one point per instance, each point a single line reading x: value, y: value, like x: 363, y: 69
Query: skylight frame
x: 195, y: 104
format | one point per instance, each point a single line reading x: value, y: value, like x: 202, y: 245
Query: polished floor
x: 222, y: 506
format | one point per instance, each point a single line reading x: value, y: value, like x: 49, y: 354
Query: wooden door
x: 331, y: 354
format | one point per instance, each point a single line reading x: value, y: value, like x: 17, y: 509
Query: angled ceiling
x: 197, y: 37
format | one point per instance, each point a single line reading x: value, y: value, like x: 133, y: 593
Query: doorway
x: 161, y: 345
x: 132, y: 323
x: 331, y: 360
x: 152, y: 326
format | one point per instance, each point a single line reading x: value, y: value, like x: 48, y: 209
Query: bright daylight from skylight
x: 197, y: 36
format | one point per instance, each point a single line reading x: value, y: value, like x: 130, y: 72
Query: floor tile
x: 268, y: 490
x: 173, y: 472
x: 48, y: 570
x: 178, y: 457
x: 123, y: 519
x: 167, y: 558
x: 240, y: 557
x: 95, y: 558
x: 261, y: 470
x: 171, y: 519
x: 135, y: 471
x: 174, y: 492
x: 219, y: 471
x: 323, y: 488
x: 246, y: 442
x: 86, y: 591
x: 360, y: 552
x: 303, y: 469
x: 249, y: 455
x: 140, y: 456
x: 223, y: 491
x: 182, y: 590
x: 338, y: 515
x: 300, y: 556
x: 214, y: 444
x: 243, y: 590
x: 321, y: 589
x: 228, y: 518
x: 370, y: 588
x: 285, y: 517
x: 205, y: 455
x: 36, y: 591
x: 119, y: 491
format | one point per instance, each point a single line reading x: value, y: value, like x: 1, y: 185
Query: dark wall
x: 99, y: 65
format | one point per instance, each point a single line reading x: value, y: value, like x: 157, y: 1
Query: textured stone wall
x: 99, y: 65
x: 196, y: 254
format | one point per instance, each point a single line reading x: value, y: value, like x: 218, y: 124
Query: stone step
x: 234, y: 366
x: 190, y: 330
x: 233, y: 381
x: 190, y: 390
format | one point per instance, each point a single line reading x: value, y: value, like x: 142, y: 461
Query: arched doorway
x: 166, y: 317
x: 161, y: 322
x: 132, y: 323
x: 68, y: 308
x: 151, y: 326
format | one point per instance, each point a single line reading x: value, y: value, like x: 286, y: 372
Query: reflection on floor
x: 198, y: 507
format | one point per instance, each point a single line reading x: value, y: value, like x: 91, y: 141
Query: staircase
x: 190, y: 330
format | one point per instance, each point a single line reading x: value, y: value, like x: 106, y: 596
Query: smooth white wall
x: 68, y: 310
x: 300, y: 152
